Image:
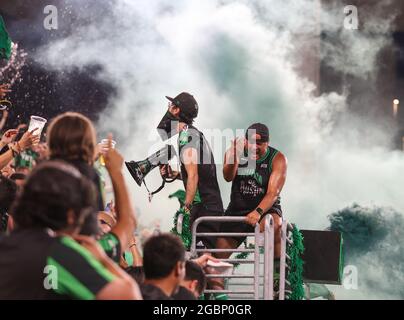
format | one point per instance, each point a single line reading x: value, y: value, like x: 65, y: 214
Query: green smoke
x: 373, y: 239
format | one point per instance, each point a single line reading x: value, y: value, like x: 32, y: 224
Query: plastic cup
x: 37, y: 123
x: 221, y: 267
x: 104, y: 149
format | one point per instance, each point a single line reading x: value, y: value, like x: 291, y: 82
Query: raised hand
x: 28, y: 139
x: 4, y: 89
x: 8, y: 136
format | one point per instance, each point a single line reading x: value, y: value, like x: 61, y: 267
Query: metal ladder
x: 268, y: 261
x: 265, y: 240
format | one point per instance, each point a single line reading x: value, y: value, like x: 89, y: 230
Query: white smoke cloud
x: 241, y: 60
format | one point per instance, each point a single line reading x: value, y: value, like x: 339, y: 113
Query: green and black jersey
x: 251, y: 184
x: 35, y: 265
x: 26, y: 159
x: 208, y: 186
x: 111, y: 245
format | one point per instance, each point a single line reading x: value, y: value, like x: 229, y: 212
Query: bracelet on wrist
x: 260, y: 211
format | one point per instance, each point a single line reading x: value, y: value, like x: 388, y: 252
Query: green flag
x: 5, y: 41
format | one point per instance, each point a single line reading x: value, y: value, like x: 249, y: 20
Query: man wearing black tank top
x: 258, y: 174
x: 198, y: 167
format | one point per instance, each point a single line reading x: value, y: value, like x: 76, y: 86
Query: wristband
x: 260, y: 211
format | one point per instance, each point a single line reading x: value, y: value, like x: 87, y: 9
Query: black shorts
x: 242, y: 227
x: 199, y: 210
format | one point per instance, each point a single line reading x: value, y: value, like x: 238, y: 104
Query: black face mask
x: 167, y: 126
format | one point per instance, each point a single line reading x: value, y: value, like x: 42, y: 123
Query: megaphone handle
x: 170, y: 180
x: 168, y: 171
x: 168, y: 174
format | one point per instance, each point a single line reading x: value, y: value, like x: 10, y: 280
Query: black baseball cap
x: 187, y: 104
x: 258, y: 128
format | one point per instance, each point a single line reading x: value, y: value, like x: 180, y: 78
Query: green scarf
x: 185, y: 233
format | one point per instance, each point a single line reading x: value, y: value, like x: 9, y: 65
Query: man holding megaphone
x: 198, y: 168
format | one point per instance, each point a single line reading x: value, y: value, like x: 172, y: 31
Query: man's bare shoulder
x: 280, y: 159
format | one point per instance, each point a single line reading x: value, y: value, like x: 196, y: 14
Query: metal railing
x: 267, y: 244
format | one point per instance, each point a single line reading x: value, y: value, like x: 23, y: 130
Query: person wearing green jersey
x: 48, y: 215
x: 258, y: 173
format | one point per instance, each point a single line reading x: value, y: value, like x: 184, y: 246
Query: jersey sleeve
x: 78, y: 274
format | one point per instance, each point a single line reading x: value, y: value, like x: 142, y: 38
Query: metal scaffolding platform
x: 262, y: 269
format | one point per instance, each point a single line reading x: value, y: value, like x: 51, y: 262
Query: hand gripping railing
x: 268, y: 254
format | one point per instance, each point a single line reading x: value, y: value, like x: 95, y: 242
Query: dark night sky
x: 47, y: 93
x: 43, y: 92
